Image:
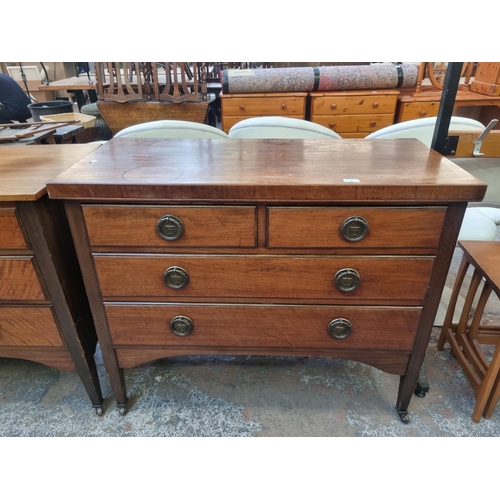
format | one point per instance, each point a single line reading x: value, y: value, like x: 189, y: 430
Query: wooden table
x: 267, y: 247
x: 44, y: 311
x: 75, y: 84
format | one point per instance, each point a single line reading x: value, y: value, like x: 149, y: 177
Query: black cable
x: 46, y: 74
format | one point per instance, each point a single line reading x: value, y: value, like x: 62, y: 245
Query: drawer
x: 28, y: 326
x: 354, y: 105
x: 414, y: 110
x: 262, y: 326
x: 355, y: 123
x: 18, y: 279
x: 11, y: 236
x: 264, y: 106
x: 380, y: 278
x: 390, y: 228
x: 197, y: 226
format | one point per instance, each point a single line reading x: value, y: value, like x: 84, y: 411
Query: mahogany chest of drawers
x: 237, y: 107
x: 354, y: 114
x: 284, y: 247
x: 44, y: 313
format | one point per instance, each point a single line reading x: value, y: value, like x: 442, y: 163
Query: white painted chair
x: 423, y: 129
x: 171, y: 129
x: 280, y: 127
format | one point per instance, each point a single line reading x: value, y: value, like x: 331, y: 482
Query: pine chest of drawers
x: 320, y: 248
x: 44, y: 313
x: 237, y: 107
x: 354, y: 114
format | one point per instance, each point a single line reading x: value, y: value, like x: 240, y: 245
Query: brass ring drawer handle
x: 169, y: 227
x: 354, y: 228
x: 181, y: 325
x: 176, y: 277
x: 347, y: 280
x: 340, y: 328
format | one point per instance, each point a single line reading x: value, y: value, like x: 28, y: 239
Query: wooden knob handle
x: 332, y: 125
x: 334, y: 106
x: 242, y: 107
x: 423, y: 113
x: 283, y: 106
x: 373, y: 124
x: 376, y: 104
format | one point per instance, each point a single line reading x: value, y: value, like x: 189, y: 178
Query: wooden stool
x: 466, y: 337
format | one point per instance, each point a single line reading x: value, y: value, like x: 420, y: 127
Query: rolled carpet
x: 319, y: 78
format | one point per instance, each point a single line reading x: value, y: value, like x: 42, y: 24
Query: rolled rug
x: 319, y: 78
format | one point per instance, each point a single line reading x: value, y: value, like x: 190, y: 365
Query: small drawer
x: 328, y: 227
x: 355, y: 123
x: 18, y: 279
x: 11, y: 236
x: 354, y: 105
x: 176, y: 277
x: 264, y: 106
x: 263, y: 326
x: 414, y: 110
x: 171, y: 226
x: 28, y: 326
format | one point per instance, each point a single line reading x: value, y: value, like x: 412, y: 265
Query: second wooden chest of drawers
x: 237, y: 107
x: 354, y: 114
x: 44, y: 311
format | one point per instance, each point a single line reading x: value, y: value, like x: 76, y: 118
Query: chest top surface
x: 267, y: 170
x: 25, y: 171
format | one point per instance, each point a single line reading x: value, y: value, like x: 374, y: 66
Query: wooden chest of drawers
x: 320, y: 248
x: 44, y: 313
x: 237, y: 107
x: 354, y: 114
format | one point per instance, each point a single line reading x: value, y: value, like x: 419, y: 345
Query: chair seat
x: 476, y: 225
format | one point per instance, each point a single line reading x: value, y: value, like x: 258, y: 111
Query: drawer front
x: 264, y: 106
x: 28, y: 326
x: 354, y: 105
x: 11, y: 236
x: 355, y: 123
x: 18, y: 279
x: 264, y: 326
x: 380, y: 278
x: 414, y: 110
x: 391, y: 228
x: 200, y: 226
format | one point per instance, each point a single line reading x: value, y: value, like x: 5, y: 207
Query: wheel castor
x: 421, y: 389
x: 99, y: 411
x: 403, y: 415
x: 122, y: 410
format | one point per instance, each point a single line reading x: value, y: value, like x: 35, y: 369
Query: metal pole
x: 450, y: 87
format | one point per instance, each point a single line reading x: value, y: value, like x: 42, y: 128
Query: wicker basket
x: 86, y: 120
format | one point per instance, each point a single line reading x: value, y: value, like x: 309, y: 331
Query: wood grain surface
x: 400, y: 170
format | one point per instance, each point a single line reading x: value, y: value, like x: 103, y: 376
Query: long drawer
x: 266, y: 326
x: 212, y: 226
x: 391, y: 228
x: 353, y: 104
x: 18, y: 279
x: 28, y: 326
x: 269, y: 105
x: 301, y: 277
x: 11, y: 236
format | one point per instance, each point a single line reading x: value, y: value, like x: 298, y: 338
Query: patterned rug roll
x: 319, y: 79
